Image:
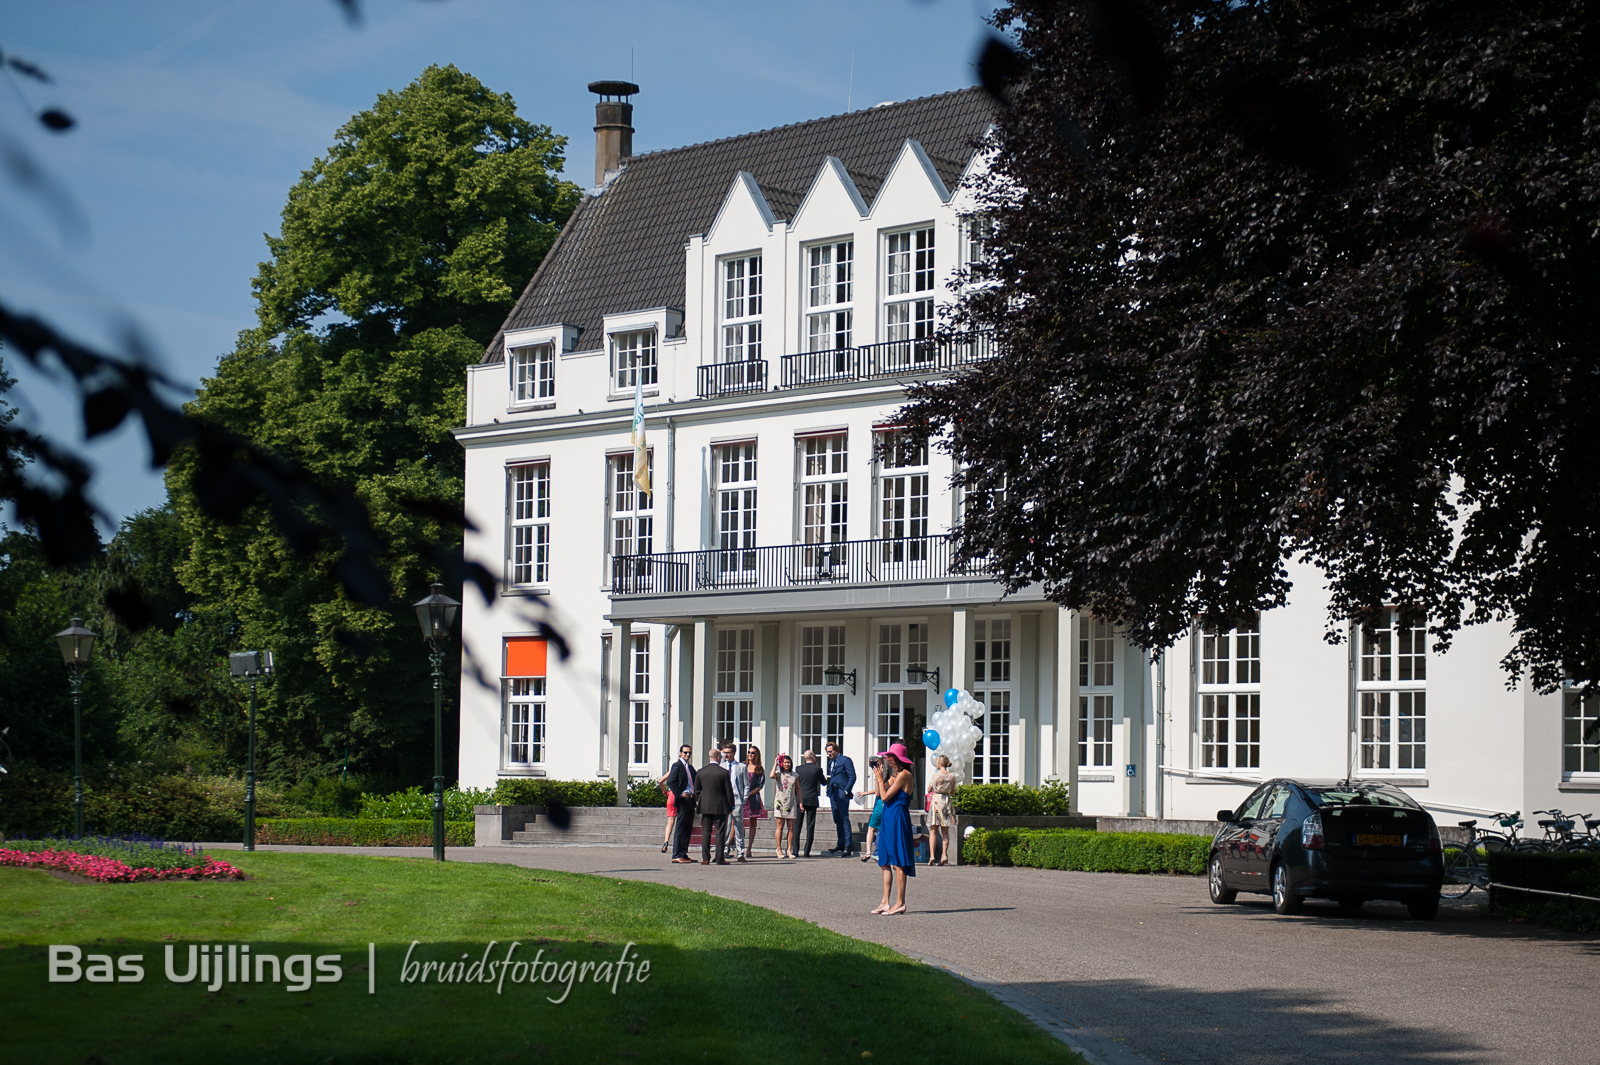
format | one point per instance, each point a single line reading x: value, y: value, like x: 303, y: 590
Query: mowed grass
x: 727, y: 981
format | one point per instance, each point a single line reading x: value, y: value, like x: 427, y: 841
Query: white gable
x: 745, y: 216
x: 832, y: 196
x: 912, y: 180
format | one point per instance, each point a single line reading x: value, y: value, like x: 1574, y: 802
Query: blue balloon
x: 930, y: 739
x: 952, y: 697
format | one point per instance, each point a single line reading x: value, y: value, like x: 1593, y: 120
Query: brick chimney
x: 613, y: 126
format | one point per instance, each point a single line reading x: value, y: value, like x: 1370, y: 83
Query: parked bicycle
x: 1559, y: 834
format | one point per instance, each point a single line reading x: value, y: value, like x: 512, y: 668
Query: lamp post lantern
x: 76, y: 642
x: 437, y: 614
x: 251, y: 666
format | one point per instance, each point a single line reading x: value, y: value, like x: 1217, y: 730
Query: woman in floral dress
x: 940, y: 817
x: 785, y: 805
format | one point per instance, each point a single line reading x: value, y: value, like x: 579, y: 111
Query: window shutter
x: 525, y: 656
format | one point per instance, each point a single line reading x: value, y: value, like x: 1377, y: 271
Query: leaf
x: 128, y: 606
x: 1000, y: 68
x: 27, y: 69
x: 56, y: 120
x: 104, y: 410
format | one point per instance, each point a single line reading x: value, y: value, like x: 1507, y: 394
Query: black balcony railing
x: 917, y: 558
x: 889, y: 359
x: 732, y: 378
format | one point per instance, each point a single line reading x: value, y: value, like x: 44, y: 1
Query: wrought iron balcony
x: 889, y: 359
x: 732, y: 378
x: 849, y: 562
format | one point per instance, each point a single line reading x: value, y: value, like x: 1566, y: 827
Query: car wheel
x: 1351, y: 905
x: 1284, y: 901
x: 1219, y: 890
x: 1424, y: 909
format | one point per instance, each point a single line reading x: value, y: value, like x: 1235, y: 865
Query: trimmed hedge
x: 360, y: 832
x: 1099, y: 852
x: 1012, y: 800
x: 644, y: 791
x: 416, y: 804
x: 538, y: 791
x: 1571, y: 872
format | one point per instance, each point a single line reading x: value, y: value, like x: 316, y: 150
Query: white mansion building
x: 785, y: 585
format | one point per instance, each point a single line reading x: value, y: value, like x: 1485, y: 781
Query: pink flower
x: 111, y: 870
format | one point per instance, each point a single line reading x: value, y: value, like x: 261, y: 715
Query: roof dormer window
x: 741, y: 308
x: 533, y: 374
x: 633, y: 360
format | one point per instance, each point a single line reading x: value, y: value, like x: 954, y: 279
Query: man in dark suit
x: 809, y: 780
x: 680, y: 781
x: 841, y: 785
x: 714, y: 799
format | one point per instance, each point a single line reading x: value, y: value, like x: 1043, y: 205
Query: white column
x: 622, y: 705
x: 1067, y: 705
x: 705, y: 649
x: 1026, y: 766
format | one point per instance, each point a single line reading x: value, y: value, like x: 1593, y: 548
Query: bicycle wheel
x: 1461, y: 870
x: 1531, y: 846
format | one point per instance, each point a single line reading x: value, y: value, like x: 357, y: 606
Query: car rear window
x: 1359, y: 797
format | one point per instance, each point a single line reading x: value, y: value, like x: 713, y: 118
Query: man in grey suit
x: 714, y: 800
x: 739, y: 778
x: 810, y: 781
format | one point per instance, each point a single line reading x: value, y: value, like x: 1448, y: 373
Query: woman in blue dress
x: 896, y: 855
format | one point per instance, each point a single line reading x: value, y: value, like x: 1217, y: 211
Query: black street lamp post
x: 251, y: 666
x: 436, y: 614
x: 76, y: 642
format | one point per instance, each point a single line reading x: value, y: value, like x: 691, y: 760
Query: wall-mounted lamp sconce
x: 918, y: 675
x: 834, y: 671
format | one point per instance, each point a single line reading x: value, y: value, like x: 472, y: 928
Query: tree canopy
x: 400, y: 253
x: 431, y: 210
x: 1279, y: 280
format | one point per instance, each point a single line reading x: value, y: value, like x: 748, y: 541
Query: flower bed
x: 114, y: 870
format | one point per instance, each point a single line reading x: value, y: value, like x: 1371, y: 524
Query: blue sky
x: 195, y: 118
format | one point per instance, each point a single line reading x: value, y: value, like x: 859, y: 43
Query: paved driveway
x: 1150, y: 964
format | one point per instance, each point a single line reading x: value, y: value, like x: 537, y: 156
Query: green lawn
x: 727, y: 981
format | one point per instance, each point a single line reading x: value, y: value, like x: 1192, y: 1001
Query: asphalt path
x: 1146, y: 967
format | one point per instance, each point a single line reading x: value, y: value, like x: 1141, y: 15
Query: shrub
x: 325, y: 797
x: 644, y: 791
x: 537, y: 791
x: 1053, y: 798
x: 1103, y: 852
x: 1008, y: 800
x: 416, y: 804
x: 1571, y: 873
x: 117, y: 800
x: 360, y: 832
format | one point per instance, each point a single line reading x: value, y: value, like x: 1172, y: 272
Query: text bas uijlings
x: 209, y: 963
x: 487, y: 970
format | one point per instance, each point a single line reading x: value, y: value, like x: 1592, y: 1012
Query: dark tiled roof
x: 623, y: 250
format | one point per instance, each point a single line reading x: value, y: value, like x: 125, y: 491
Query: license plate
x: 1374, y: 839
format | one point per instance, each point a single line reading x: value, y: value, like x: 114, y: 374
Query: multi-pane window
x: 741, y: 308
x: 641, y: 732
x: 736, y: 685
x: 1230, y: 696
x: 533, y: 373
x: 632, y: 516
x: 1097, y: 653
x: 1094, y: 730
x: 830, y: 291
x: 991, y: 667
x: 641, y: 664
x: 1097, y: 669
x: 903, y: 499
x: 525, y: 721
x: 889, y: 717
x: 640, y: 683
x: 1391, y: 687
x: 978, y: 232
x: 633, y: 359
x: 908, y: 306
x: 736, y: 507
x: 821, y: 711
x: 824, y: 497
x: 890, y: 650
x: 530, y: 523
x: 1580, y: 733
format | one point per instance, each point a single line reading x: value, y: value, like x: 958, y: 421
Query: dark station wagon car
x: 1346, y: 840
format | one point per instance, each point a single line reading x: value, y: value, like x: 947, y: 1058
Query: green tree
x: 399, y: 256
x: 1293, y: 279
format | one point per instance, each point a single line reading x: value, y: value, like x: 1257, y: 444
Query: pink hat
x: 898, y: 752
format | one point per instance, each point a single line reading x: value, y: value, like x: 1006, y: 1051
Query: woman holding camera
x: 896, y: 854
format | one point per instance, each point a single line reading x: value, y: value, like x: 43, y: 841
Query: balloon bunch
x: 951, y: 730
